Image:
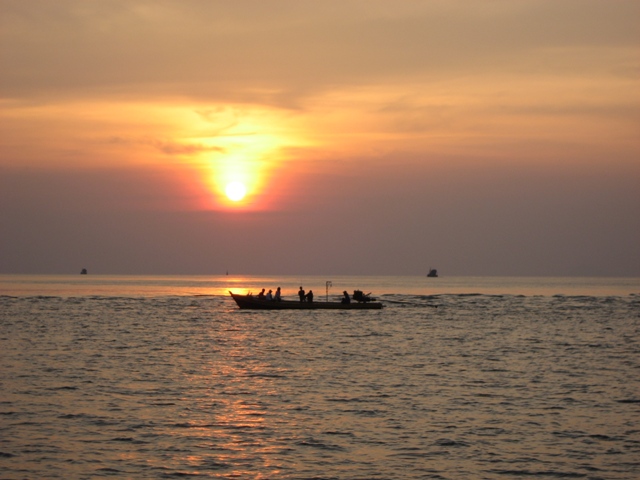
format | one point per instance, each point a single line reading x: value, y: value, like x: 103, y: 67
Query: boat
x: 432, y: 273
x: 254, y: 303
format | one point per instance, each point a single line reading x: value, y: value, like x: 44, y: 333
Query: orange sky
x: 467, y: 134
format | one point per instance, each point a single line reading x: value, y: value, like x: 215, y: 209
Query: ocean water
x: 456, y: 378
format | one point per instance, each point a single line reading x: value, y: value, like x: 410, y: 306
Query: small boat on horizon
x: 432, y: 273
x: 254, y: 303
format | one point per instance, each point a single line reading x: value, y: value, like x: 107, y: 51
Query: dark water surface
x: 484, y: 386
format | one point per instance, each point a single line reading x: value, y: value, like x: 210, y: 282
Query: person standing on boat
x: 278, y: 295
x: 301, y: 294
x: 310, y: 296
x: 270, y: 296
x: 346, y: 298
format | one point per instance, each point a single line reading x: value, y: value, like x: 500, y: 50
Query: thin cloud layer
x: 282, y: 52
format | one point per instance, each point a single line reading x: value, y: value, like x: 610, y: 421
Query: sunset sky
x: 497, y: 137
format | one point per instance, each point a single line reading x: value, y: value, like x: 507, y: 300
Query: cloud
x: 280, y: 53
x: 166, y: 146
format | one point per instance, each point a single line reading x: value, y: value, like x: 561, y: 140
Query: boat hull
x: 253, y: 303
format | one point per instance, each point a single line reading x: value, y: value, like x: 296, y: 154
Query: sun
x: 236, y: 191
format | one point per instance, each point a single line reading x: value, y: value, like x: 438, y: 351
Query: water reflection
x: 231, y: 419
x: 157, y: 286
x: 483, y: 386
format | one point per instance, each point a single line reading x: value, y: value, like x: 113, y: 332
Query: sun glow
x: 236, y: 191
x: 238, y: 150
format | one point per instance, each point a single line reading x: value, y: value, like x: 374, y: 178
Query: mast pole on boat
x: 328, y: 284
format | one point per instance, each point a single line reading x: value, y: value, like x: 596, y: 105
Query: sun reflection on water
x: 234, y: 378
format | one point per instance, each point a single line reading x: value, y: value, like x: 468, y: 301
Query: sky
x: 495, y: 137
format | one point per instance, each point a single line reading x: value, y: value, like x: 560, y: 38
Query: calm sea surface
x: 456, y: 378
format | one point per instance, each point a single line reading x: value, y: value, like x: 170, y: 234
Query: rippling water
x: 483, y: 386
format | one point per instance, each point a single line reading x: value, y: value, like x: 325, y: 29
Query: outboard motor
x: 360, y: 297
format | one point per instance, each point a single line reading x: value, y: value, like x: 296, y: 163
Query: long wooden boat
x: 254, y: 303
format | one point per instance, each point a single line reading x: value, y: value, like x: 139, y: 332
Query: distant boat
x: 83, y: 271
x: 254, y: 303
x: 432, y: 273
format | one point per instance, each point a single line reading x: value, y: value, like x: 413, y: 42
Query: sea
x: 151, y: 377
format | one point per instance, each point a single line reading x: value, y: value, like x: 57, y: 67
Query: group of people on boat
x: 270, y: 296
x: 305, y: 297
x: 308, y: 296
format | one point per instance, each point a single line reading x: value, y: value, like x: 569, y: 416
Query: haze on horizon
x: 372, y: 137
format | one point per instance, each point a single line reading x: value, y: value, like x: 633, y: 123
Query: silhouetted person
x: 310, y: 296
x: 269, y: 296
x: 346, y: 298
x: 278, y: 295
x: 301, y: 294
x: 261, y: 295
